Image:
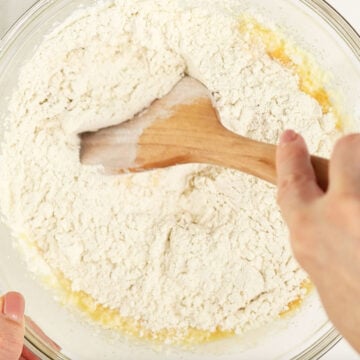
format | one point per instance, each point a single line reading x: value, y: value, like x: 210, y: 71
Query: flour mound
x: 192, y: 246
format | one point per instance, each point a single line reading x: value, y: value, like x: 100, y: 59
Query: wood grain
x: 191, y: 133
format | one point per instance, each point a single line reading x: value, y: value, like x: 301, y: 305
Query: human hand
x: 325, y: 227
x: 12, y: 326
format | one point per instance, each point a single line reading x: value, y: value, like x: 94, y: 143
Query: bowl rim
x: 338, y: 22
x: 326, y: 12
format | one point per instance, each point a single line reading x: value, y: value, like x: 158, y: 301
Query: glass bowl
x: 307, y: 334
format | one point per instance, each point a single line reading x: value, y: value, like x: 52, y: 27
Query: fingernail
x: 288, y: 136
x: 14, y: 307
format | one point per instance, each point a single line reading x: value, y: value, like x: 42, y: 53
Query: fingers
x: 296, y: 178
x: 11, y: 326
x: 345, y: 166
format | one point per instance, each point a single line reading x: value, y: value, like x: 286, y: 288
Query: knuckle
x: 293, y: 152
x: 294, y: 179
x: 292, y: 182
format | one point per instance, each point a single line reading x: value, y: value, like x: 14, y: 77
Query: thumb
x: 12, y: 326
x: 297, y: 185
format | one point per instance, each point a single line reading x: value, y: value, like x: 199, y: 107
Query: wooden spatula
x: 180, y: 128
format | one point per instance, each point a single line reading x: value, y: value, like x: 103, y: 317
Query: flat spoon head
x: 182, y: 127
x: 160, y: 136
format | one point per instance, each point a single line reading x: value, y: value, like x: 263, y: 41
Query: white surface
x: 11, y: 9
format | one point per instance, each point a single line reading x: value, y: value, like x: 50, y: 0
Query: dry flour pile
x: 187, y: 247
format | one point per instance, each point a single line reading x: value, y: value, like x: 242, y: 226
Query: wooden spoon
x: 180, y: 128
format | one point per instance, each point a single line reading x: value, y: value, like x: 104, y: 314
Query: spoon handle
x: 256, y: 158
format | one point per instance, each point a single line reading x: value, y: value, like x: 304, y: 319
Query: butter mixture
x: 192, y: 249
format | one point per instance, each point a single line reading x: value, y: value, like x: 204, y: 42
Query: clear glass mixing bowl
x: 307, y: 334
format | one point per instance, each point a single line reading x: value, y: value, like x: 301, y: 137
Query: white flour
x: 191, y: 246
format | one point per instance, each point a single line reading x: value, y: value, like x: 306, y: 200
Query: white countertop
x: 10, y: 10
